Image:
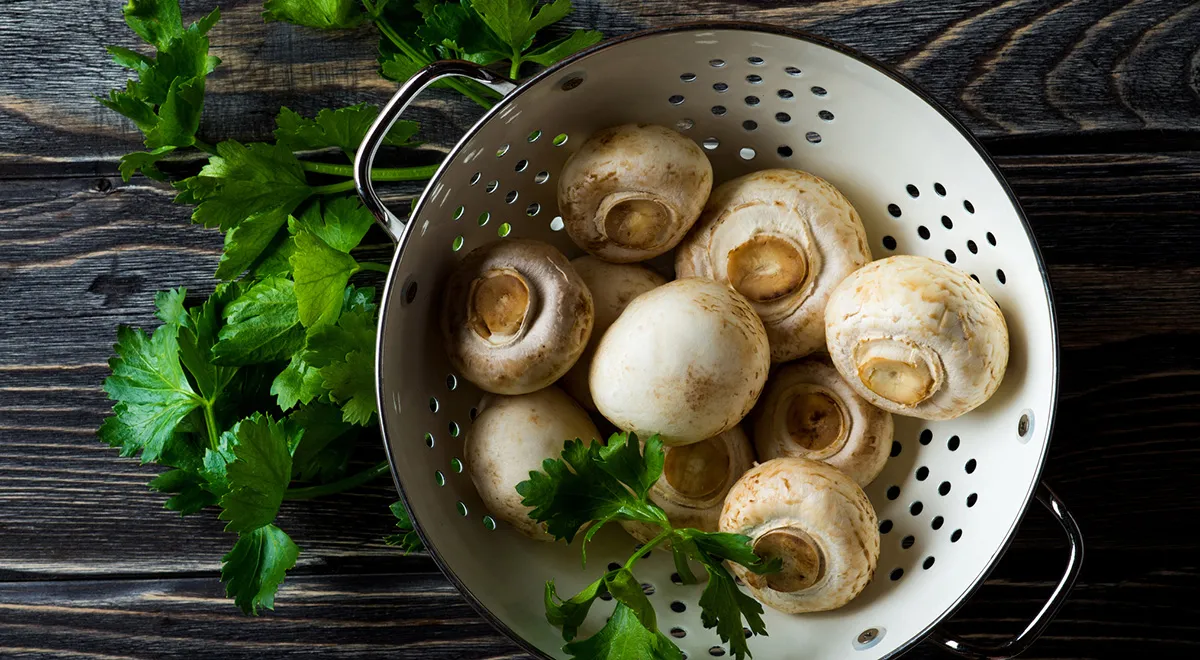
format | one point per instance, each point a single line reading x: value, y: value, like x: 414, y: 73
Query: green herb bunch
x: 592, y: 485
x: 259, y: 393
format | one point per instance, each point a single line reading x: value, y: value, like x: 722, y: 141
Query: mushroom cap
x: 784, y: 239
x: 808, y: 410
x: 631, y: 192
x: 917, y: 337
x: 694, y: 483
x: 686, y: 361
x: 817, y: 520
x: 612, y: 286
x: 515, y: 316
x: 510, y: 438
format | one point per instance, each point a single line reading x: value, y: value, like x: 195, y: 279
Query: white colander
x: 754, y: 97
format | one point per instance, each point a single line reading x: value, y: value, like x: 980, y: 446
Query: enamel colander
x: 754, y: 97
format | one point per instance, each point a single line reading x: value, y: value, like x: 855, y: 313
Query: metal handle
x: 1015, y: 646
x: 392, y: 111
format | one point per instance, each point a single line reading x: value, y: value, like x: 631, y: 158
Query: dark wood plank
x: 1011, y: 68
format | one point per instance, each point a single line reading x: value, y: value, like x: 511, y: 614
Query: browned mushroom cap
x: 515, y: 316
x: 917, y: 337
x: 814, y: 518
x: 695, y: 480
x: 807, y: 410
x: 631, y: 192
x: 783, y: 239
x: 511, y: 438
x: 613, y: 286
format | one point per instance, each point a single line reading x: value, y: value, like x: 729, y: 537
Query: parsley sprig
x: 257, y: 394
x: 592, y: 485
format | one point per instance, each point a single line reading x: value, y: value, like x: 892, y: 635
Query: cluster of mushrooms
x: 770, y: 367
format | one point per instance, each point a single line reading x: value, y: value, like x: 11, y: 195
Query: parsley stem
x: 463, y: 87
x: 204, y: 146
x: 370, y: 265
x: 645, y: 549
x: 350, y: 482
x: 210, y: 421
x: 514, y: 71
x: 418, y: 173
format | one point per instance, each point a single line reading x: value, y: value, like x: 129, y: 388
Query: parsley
x: 406, y: 537
x: 598, y: 484
x: 258, y: 393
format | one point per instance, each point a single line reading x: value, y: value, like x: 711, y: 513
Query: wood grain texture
x: 1092, y: 106
x: 1013, y: 67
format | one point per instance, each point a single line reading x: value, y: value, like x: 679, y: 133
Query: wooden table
x: 1091, y: 108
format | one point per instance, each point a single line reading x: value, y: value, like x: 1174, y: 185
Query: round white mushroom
x: 917, y: 337
x: 783, y: 239
x: 515, y: 316
x: 613, y: 286
x: 631, y: 192
x: 694, y: 482
x: 817, y: 521
x: 510, y: 438
x: 808, y: 410
x: 686, y: 360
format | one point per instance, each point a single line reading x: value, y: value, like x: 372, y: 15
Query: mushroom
x: 807, y: 410
x: 686, y: 361
x: 784, y: 239
x: 612, y: 287
x: 510, y: 438
x: 631, y: 192
x: 515, y: 316
x: 694, y: 482
x: 817, y: 521
x: 917, y: 337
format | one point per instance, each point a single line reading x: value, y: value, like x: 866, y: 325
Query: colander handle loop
x: 392, y: 111
x: 1015, y: 646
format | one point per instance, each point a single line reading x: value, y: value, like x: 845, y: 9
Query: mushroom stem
x: 897, y: 370
x: 803, y: 560
x: 766, y: 268
x: 817, y: 420
x: 499, y: 303
x: 698, y: 470
x: 635, y: 219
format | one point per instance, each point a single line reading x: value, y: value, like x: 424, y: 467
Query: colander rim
x: 745, y: 26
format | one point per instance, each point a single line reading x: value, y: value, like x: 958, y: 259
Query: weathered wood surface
x: 1091, y: 105
x: 1014, y: 67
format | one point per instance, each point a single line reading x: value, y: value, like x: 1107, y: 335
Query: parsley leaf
x: 189, y: 491
x: 597, y: 484
x: 247, y: 191
x: 344, y: 354
x: 515, y: 22
x: 299, y: 382
x: 344, y: 128
x: 166, y: 100
x: 259, y: 473
x: 323, y: 452
x: 341, y: 222
x: 625, y: 638
x: 321, y: 14
x: 152, y: 393
x: 262, y: 325
x: 407, y: 537
x: 253, y: 570
x: 593, y: 483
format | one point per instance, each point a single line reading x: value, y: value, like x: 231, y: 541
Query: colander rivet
x: 571, y: 83
x: 867, y: 635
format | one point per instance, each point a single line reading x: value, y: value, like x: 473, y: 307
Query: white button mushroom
x: 784, y: 239
x: 686, y: 360
x: 631, y: 192
x: 612, y: 287
x: 515, y: 316
x: 694, y: 482
x: 510, y: 438
x: 917, y: 337
x: 814, y: 518
x: 808, y: 410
